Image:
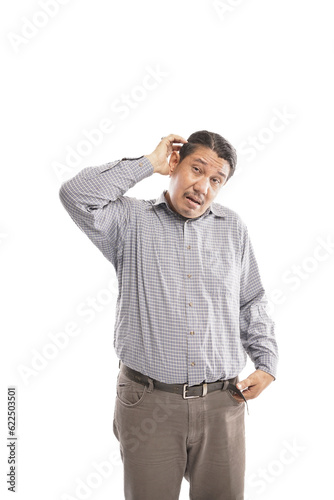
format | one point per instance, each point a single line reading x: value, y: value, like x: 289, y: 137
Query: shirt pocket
x: 222, y: 274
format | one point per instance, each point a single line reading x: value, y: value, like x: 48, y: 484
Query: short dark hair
x: 215, y: 142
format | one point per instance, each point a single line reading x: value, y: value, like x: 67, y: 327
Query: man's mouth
x: 194, y: 200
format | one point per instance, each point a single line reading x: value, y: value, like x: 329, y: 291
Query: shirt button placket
x: 189, y: 298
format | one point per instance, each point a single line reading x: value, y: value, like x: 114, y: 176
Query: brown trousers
x: 164, y: 438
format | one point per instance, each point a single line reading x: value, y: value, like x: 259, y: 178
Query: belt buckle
x: 204, y: 392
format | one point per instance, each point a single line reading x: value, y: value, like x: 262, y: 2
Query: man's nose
x: 202, y: 185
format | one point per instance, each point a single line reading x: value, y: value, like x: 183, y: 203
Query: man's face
x: 196, y: 181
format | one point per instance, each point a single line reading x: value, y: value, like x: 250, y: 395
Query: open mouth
x: 193, y: 201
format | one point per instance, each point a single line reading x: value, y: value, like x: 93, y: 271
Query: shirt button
x: 190, y: 304
x: 188, y: 247
x: 140, y: 164
x: 189, y: 275
x: 193, y: 363
x: 192, y: 333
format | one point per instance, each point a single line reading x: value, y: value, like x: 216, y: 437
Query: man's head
x: 198, y: 172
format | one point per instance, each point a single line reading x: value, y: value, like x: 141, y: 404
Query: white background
x: 230, y: 70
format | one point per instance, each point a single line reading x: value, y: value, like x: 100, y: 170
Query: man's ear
x: 174, y: 160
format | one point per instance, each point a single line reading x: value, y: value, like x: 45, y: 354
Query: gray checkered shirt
x: 190, y: 302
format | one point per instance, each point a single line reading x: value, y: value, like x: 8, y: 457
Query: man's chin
x: 192, y: 208
x: 186, y: 208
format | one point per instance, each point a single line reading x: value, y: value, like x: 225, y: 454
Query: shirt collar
x: 215, y: 208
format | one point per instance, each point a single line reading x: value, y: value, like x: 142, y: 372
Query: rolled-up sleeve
x: 257, y: 329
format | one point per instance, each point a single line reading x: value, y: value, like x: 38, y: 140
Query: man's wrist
x: 154, y: 161
x: 267, y: 373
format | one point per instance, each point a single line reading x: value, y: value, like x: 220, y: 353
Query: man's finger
x: 174, y: 138
x: 244, y: 384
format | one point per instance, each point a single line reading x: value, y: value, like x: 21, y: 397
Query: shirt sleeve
x: 257, y: 329
x: 94, y: 199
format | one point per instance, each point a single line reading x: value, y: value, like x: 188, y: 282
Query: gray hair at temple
x: 215, y: 142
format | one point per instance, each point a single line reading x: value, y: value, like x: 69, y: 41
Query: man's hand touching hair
x: 163, y: 150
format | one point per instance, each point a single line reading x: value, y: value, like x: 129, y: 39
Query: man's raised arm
x: 94, y: 197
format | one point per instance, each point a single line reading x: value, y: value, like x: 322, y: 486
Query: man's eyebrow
x: 199, y: 160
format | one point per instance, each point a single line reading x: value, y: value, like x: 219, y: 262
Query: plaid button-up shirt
x: 190, y: 302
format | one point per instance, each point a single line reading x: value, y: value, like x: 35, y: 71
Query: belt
x: 195, y: 391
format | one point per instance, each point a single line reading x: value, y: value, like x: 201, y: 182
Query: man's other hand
x: 253, y: 385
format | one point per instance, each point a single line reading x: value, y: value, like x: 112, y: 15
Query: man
x: 190, y: 306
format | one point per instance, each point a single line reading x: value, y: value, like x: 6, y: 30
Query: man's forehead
x: 207, y: 157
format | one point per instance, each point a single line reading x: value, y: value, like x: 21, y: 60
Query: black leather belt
x: 195, y: 391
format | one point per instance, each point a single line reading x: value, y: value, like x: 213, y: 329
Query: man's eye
x: 196, y: 168
x: 216, y: 180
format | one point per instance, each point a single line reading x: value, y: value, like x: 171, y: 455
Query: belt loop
x: 225, y: 385
x: 119, y: 364
x: 150, y: 385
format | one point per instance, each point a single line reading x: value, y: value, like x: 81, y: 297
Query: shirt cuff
x: 141, y: 167
x: 268, y: 368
